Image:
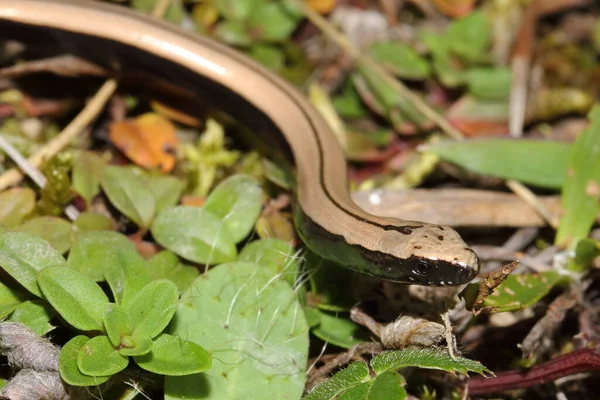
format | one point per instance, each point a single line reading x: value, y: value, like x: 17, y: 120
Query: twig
x: 89, y: 112
x: 530, y: 198
x: 583, y: 360
x: 32, y: 172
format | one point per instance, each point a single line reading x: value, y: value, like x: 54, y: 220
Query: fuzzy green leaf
x: 581, y: 192
x: 540, y: 163
x: 470, y: 37
x: 489, y: 83
x: 87, y: 170
x: 166, y: 189
x: 9, y: 299
x: 237, y: 201
x: 117, y: 324
x: 98, y: 357
x: 273, y: 253
x: 35, y: 315
x: 91, y: 221
x: 67, y: 364
x: 353, y: 375
x: 337, y: 330
x: 206, y: 241
x: 166, y: 265
x: 402, y: 59
x: 126, y: 275
x: 430, y: 358
x: 76, y: 297
x: 55, y: 231
x: 272, y: 22
x: 175, y: 356
x: 128, y: 192
x: 22, y: 255
x: 136, y: 345
x: 254, y: 323
x: 15, y: 205
x: 523, y: 290
x: 152, y: 308
x: 93, y: 251
x: 388, y: 386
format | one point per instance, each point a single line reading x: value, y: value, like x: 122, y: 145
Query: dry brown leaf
x: 321, y: 6
x: 455, y: 8
x: 148, y: 140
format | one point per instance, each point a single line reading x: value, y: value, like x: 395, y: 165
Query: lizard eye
x: 420, y: 269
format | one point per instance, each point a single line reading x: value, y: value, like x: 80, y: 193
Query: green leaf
x: 585, y: 252
x: 175, y: 12
x: 152, y: 308
x: 237, y: 201
x: 34, y: 315
x: 402, y: 59
x: 269, y: 56
x: 236, y: 10
x: 136, y: 345
x: 15, y: 205
x: 87, y: 170
x: 55, y: 231
x: 358, y: 392
x: 175, y: 356
x: 166, y: 265
x: 353, y: 375
x: 470, y: 37
x: 98, y: 357
x: 126, y: 274
x: 388, y: 386
x: 206, y: 241
x: 273, y: 253
x: 90, y: 221
x: 117, y: 324
x: 9, y: 299
x: 166, y: 189
x: 489, y: 83
x: 348, y: 103
x: 128, y: 192
x: 22, y: 255
x: 253, y: 324
x: 76, y: 297
x: 429, y: 358
x: 338, y: 330
x: 509, y: 159
x: 272, y: 22
x: 581, y: 192
x: 523, y: 290
x: 67, y: 364
x: 234, y: 33
x: 93, y: 251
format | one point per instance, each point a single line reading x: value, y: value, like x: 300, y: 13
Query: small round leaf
x: 67, y: 364
x: 174, y: 356
x: 76, y: 297
x: 195, y: 234
x: 98, y: 357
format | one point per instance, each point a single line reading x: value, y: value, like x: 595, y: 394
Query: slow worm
x: 327, y: 220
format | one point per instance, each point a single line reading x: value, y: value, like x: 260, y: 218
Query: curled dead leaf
x: 148, y: 140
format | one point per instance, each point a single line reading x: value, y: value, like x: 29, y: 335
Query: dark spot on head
x: 425, y: 236
x: 441, y: 238
x: 441, y: 228
x: 418, y: 247
x: 407, y: 230
x: 455, y: 258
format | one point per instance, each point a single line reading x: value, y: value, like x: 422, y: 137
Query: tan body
x: 328, y: 220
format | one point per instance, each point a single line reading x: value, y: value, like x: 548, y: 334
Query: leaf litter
x: 254, y: 306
